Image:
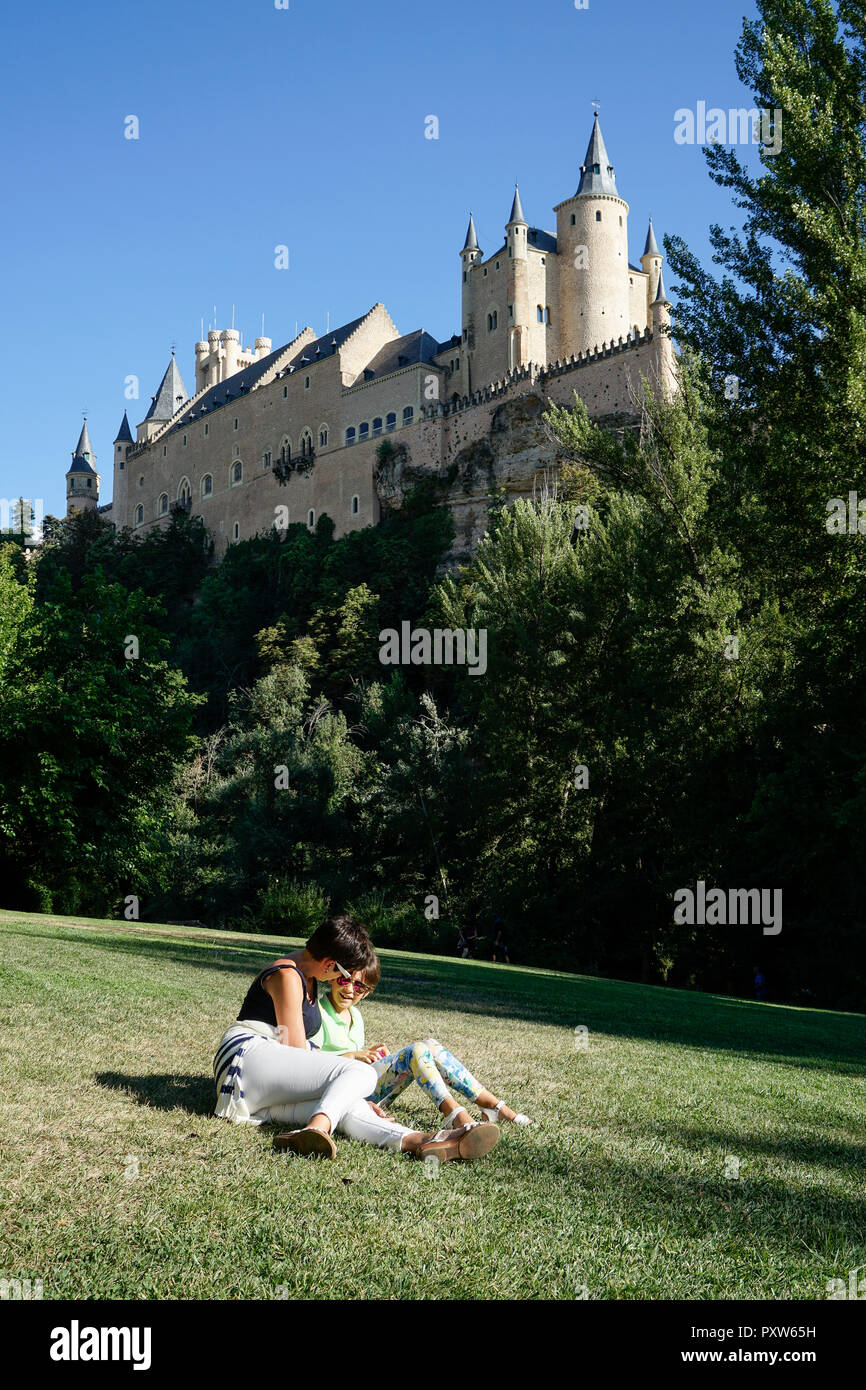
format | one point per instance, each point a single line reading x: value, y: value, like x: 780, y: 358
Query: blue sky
x: 304, y: 127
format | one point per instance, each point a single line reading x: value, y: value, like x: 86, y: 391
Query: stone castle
x: 271, y: 437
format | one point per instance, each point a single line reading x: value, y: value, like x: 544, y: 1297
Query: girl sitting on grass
x: 427, y: 1062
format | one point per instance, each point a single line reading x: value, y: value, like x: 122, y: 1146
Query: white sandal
x: 493, y: 1113
x: 448, y: 1122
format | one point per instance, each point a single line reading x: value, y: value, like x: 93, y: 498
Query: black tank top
x: 259, y: 1005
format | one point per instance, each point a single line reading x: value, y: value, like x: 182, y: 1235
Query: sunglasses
x: 357, y: 985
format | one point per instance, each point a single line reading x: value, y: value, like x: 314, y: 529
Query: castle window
x: 90, y: 482
x: 377, y: 425
x: 141, y: 481
x: 184, y: 493
x: 207, y: 429
x: 311, y: 517
x: 485, y: 272
x: 236, y: 533
x: 511, y: 311
x: 547, y: 314
x: 122, y: 465
x: 206, y: 485
x: 306, y: 383
x: 184, y: 441
x: 285, y: 392
x: 162, y: 507
x: 491, y: 321
x: 598, y: 217
x: 539, y: 313
x: 390, y: 421
x: 139, y: 515
x: 266, y: 459
x: 323, y: 436
x: 285, y: 450
x: 543, y: 261
x: 630, y: 280
x: 350, y: 435
x: 596, y: 169
x: 237, y: 472
x: 306, y: 445
x: 355, y: 506
x: 464, y: 277
x: 573, y: 220
x: 620, y: 221
x: 164, y: 450
x: 236, y: 422
x: 364, y: 430
x: 408, y: 414
x: 497, y: 265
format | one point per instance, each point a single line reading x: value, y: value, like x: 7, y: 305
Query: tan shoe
x: 468, y: 1142
x: 312, y: 1143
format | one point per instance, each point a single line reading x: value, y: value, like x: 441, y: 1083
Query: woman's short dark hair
x: 372, y: 973
x: 344, y: 940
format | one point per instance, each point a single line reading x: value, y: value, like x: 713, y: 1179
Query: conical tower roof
x: 517, y: 210
x: 82, y: 455
x: 651, y: 249
x: 661, y: 297
x: 124, y: 434
x: 596, y: 171
x: 471, y: 242
x: 170, y: 396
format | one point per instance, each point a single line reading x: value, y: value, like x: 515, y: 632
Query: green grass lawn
x: 624, y: 1189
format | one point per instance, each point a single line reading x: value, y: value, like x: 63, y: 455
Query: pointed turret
x: 124, y: 434
x: 651, y: 249
x: 471, y: 242
x: 82, y: 479
x: 170, y: 396
x: 596, y: 171
x: 516, y: 211
x: 84, y: 448
x: 661, y: 297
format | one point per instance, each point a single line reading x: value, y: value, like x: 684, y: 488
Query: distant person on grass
x: 500, y: 948
x: 267, y: 1070
x: 427, y: 1062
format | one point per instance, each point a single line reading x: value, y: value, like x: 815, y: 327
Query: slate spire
x: 596, y: 171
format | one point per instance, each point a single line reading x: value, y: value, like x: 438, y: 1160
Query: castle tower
x: 516, y: 229
x: 651, y: 264
x: 166, y: 403
x: 592, y: 241
x: 122, y: 445
x: 470, y: 254
x: 82, y: 479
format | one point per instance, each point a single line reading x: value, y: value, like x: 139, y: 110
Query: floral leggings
x: 426, y: 1062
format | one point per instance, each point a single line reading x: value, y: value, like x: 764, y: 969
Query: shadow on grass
x: 812, y: 1039
x: 164, y: 1090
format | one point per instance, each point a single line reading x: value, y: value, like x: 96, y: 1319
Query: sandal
x: 492, y: 1113
x: 312, y: 1143
x: 467, y: 1143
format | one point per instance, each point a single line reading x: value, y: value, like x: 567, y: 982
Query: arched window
x: 364, y: 431
x: 139, y: 515
x: 350, y: 435
x: 306, y: 445
x: 491, y: 321
x: 390, y: 421
x: 162, y: 504
x: 237, y: 473
x: 184, y: 493
x: 355, y: 505
x: 377, y: 425
x: 286, y: 450
x: 311, y: 517
x: 206, y: 485
x: 408, y: 414
x: 323, y: 436
x: 539, y: 313
x: 598, y: 216
x: 547, y: 314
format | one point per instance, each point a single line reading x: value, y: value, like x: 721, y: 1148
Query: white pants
x: 287, y: 1085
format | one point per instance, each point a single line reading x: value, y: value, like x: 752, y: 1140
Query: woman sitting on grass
x: 267, y: 1069
x: 427, y: 1062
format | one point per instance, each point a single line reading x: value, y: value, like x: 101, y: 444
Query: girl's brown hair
x: 372, y: 973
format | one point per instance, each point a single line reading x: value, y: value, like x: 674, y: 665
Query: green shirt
x: 335, y: 1035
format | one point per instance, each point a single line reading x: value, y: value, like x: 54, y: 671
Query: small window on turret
x: 164, y: 450
x: 184, y: 441
x: 598, y: 217
x: 539, y: 313
x: 285, y: 392
x: 573, y: 220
